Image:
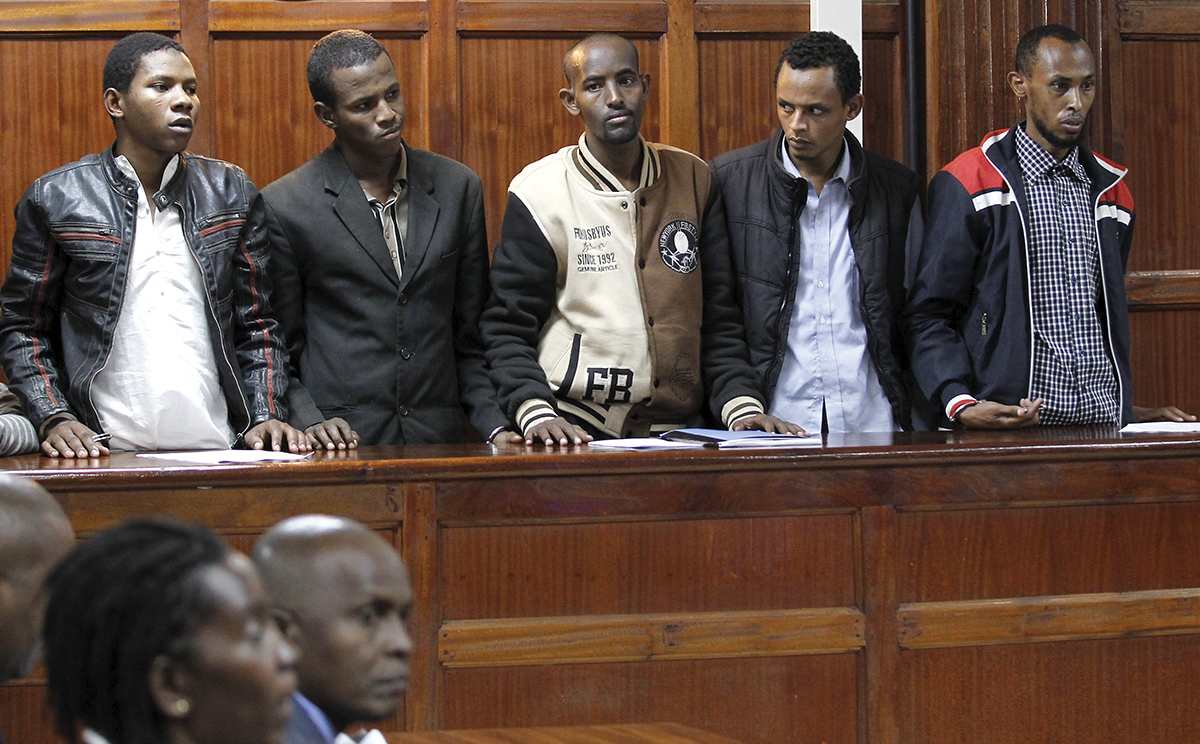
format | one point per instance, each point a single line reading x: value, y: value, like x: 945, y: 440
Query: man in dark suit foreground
x: 381, y: 268
x: 341, y: 597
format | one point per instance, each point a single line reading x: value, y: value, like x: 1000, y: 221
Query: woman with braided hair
x: 156, y: 632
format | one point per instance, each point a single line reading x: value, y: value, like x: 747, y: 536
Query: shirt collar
x: 603, y: 180
x: 399, y: 184
x: 1036, y: 163
x: 127, y: 168
x: 842, y: 172
x: 316, y: 715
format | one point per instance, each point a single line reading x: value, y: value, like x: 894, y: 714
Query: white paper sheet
x: 1163, y: 427
x: 217, y: 457
x: 644, y: 443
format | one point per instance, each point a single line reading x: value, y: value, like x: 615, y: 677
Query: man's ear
x: 113, y: 103
x: 324, y: 114
x: 854, y: 106
x: 645, y: 76
x: 567, y: 96
x: 1017, y: 83
x: 171, y: 685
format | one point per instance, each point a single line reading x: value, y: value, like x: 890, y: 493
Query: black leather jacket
x: 70, y: 259
x: 762, y: 205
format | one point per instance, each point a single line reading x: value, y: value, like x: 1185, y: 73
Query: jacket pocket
x: 89, y: 241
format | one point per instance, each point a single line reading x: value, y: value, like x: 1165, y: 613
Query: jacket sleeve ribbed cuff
x: 957, y: 403
x: 739, y: 408
x: 17, y: 436
x: 533, y: 412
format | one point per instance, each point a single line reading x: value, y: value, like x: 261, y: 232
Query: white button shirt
x: 159, y: 388
x: 826, y: 366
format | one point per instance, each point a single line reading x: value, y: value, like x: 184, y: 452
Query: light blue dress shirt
x: 826, y: 367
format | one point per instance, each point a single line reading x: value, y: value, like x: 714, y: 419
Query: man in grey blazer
x: 380, y: 268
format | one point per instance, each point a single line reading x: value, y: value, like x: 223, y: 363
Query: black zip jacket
x: 763, y: 203
x: 70, y: 259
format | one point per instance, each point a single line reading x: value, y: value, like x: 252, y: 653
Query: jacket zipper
x: 1028, y: 274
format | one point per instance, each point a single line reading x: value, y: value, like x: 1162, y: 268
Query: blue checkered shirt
x: 1072, y: 370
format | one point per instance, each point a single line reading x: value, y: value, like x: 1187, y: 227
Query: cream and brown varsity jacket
x: 616, y: 306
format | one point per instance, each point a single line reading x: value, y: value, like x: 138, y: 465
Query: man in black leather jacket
x: 145, y: 318
x: 819, y: 231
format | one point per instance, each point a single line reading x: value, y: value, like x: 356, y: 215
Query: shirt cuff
x: 957, y: 403
x: 534, y: 411
x: 739, y: 408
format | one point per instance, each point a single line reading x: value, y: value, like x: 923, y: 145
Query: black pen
x: 101, y: 438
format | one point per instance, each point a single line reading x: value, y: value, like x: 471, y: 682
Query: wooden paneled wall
x: 480, y: 77
x: 481, y: 80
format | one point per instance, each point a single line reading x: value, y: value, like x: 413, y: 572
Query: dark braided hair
x: 117, y: 602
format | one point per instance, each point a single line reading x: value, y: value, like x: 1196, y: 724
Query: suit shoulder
x: 296, y: 182
x: 440, y: 167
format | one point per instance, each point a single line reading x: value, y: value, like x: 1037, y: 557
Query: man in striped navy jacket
x: 1017, y: 314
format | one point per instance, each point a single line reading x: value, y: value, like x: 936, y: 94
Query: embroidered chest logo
x: 594, y: 255
x: 677, y: 246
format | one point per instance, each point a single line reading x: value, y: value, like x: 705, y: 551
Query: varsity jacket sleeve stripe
x: 524, y: 291
x: 733, y: 385
x: 943, y: 283
x: 27, y: 318
x: 257, y: 341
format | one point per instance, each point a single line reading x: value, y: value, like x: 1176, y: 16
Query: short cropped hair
x: 1031, y: 42
x: 126, y: 56
x: 337, y: 51
x: 593, y: 38
x: 817, y: 49
x: 116, y: 603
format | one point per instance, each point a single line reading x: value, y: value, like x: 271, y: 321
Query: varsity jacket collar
x: 602, y: 180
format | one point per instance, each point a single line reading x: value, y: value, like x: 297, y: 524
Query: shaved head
x: 34, y: 534
x: 342, y: 596
x: 573, y: 60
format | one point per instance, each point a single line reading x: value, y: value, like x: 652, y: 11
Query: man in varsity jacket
x: 613, y: 312
x: 1018, y: 311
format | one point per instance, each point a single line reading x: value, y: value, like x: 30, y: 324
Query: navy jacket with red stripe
x: 969, y: 316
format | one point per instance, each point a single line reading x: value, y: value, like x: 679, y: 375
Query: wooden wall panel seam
x: 90, y: 17
x: 991, y: 622
x: 1155, y: 290
x: 661, y: 636
x: 1150, y: 19
x: 649, y: 517
x: 226, y: 16
x: 518, y: 17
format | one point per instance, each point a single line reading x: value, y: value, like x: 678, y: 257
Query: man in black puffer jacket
x: 819, y: 232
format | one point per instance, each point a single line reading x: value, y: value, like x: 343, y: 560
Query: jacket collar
x: 1000, y: 148
x: 127, y: 187
x: 796, y: 189
x: 602, y: 180
x: 351, y: 207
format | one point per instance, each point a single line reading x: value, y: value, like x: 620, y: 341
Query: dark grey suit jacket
x: 400, y: 359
